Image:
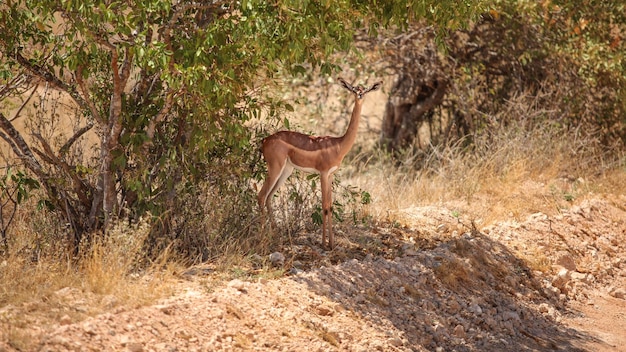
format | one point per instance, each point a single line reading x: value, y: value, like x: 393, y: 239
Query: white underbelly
x: 310, y: 169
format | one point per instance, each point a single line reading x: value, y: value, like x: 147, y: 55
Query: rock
x: 561, y: 278
x: 566, y: 260
x: 440, y: 332
x: 277, y: 259
x: 89, y: 328
x: 510, y: 315
x: 410, y: 252
x: 475, y: 309
x: 396, y: 342
x: 65, y: 320
x: 459, y: 331
x: 134, y: 347
x: 491, y: 323
x: 454, y: 306
x: 237, y: 285
x: 295, y: 271
x: 109, y: 301
x: 256, y: 260
x: 166, y: 309
x: 576, y: 276
x: 618, y: 293
x: 324, y: 310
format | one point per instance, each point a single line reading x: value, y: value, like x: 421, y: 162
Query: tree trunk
x: 410, y: 102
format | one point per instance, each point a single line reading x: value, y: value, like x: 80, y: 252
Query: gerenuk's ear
x: 345, y: 84
x: 376, y: 86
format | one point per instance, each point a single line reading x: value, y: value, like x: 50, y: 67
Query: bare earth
x: 435, y: 283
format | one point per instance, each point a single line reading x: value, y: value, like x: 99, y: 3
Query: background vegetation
x: 150, y: 113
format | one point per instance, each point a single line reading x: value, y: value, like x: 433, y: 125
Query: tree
x: 568, y: 56
x: 167, y: 87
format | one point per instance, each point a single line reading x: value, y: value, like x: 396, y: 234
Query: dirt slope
x: 549, y: 283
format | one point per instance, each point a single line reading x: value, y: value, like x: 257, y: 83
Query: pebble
x: 65, y: 320
x: 475, y: 308
x: 134, y: 347
x: 237, y: 285
x: 459, y: 331
x: 396, y: 342
x: 277, y: 259
x: 618, y: 293
x: 566, y: 260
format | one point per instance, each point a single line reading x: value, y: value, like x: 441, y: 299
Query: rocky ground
x: 437, y: 282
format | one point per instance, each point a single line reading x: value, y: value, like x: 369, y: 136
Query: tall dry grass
x: 510, y: 171
x: 51, y: 285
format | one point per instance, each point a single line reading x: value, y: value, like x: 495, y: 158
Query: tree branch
x: 79, y: 186
x: 19, y: 111
x: 20, y: 147
x: 51, y: 78
x: 66, y: 147
x: 88, y: 102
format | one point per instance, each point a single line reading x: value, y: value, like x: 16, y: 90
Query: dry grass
x: 507, y: 175
x: 40, y: 291
x: 113, y: 266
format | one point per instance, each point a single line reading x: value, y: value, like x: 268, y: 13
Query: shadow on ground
x: 456, y: 293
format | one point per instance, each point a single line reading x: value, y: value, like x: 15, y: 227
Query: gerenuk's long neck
x: 347, y: 140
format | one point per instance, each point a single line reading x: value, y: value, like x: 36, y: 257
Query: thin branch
x: 16, y: 82
x: 19, y: 111
x: 44, y: 156
x: 150, y: 129
x: 87, y: 98
x: 79, y: 186
x: 66, y: 147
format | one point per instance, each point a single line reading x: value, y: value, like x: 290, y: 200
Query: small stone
x: 576, y: 276
x: 134, y: 347
x: 561, y: 278
x: 109, y: 301
x: 89, y: 329
x: 411, y: 252
x: 123, y: 340
x: 475, y: 308
x: 65, y: 320
x: 166, y: 309
x: 618, y: 293
x: 324, y: 310
x: 454, y: 306
x: 459, y: 331
x: 491, y: 322
x: 277, y: 259
x: 510, y: 315
x: 396, y: 342
x: 565, y: 260
x: 295, y: 271
x: 256, y: 260
x: 237, y: 285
